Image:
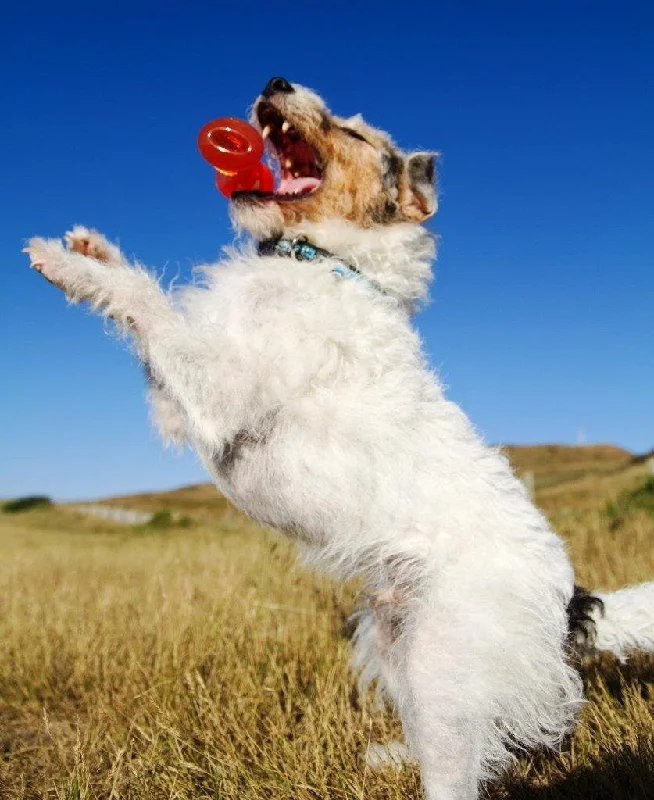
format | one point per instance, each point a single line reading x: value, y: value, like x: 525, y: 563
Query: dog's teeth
x: 265, y: 133
x: 285, y: 125
x: 288, y: 163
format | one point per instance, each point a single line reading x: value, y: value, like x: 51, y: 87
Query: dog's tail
x: 619, y: 622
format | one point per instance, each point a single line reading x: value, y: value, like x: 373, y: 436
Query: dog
x: 293, y: 369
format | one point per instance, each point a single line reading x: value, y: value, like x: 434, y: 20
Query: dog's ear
x: 419, y: 199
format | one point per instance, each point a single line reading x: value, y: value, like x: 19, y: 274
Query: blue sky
x: 542, y: 321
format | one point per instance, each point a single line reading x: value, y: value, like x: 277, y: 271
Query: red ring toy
x: 234, y: 149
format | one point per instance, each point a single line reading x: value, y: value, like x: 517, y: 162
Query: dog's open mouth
x: 300, y: 167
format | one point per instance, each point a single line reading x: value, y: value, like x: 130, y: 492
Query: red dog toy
x: 235, y: 149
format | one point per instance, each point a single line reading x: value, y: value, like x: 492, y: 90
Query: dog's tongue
x: 297, y: 185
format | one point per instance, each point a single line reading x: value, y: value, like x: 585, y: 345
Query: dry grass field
x: 201, y: 662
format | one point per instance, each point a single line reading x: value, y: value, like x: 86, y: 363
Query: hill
x: 580, y: 478
x: 201, y: 500
x: 584, y: 477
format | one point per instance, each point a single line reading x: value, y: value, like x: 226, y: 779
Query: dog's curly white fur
x: 308, y: 399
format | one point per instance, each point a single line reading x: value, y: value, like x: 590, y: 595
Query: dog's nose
x: 275, y: 85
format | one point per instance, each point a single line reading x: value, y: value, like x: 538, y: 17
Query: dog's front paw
x: 47, y: 256
x: 91, y: 243
x: 393, y: 755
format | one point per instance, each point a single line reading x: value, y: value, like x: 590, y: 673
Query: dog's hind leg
x: 432, y: 688
x: 375, y: 634
x: 392, y: 755
x: 441, y: 705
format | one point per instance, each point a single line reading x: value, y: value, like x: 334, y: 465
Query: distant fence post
x: 529, y: 480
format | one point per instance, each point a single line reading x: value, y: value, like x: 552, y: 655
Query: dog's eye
x: 355, y: 135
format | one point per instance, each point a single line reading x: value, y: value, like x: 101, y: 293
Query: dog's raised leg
x: 176, y: 356
x: 166, y: 412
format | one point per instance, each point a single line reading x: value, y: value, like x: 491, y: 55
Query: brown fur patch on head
x: 366, y: 179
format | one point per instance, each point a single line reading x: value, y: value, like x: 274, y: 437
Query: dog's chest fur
x: 338, y: 433
x: 332, y: 395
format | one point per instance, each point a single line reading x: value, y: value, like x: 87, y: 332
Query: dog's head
x: 331, y: 168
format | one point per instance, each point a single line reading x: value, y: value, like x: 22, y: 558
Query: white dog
x: 295, y: 373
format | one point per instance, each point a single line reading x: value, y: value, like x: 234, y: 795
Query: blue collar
x: 302, y: 250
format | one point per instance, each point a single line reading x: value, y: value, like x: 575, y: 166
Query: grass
x: 629, y: 500
x: 203, y: 663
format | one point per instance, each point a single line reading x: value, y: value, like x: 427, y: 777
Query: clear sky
x: 542, y: 322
